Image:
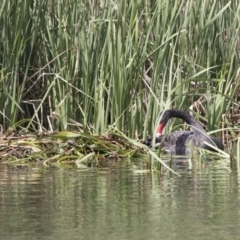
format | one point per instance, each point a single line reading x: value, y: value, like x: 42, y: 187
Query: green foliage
x: 117, y: 62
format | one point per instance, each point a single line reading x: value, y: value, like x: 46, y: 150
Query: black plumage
x: 179, y: 142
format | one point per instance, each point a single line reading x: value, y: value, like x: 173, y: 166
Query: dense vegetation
x: 90, y: 64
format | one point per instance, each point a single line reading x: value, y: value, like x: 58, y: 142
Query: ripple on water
x: 118, y: 203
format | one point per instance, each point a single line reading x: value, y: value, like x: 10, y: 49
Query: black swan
x: 176, y: 141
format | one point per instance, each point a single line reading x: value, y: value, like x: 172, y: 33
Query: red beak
x: 160, y: 129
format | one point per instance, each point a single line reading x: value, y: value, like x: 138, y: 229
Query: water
x: 118, y: 203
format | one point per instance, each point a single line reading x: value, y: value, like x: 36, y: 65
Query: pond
x: 119, y: 202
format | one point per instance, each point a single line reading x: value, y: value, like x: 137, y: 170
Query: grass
x: 66, y: 146
x: 92, y: 64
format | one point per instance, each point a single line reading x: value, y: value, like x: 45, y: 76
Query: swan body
x: 180, y: 142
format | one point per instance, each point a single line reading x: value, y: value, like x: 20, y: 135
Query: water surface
x: 118, y: 203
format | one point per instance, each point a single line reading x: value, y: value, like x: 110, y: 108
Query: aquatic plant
x: 92, y: 64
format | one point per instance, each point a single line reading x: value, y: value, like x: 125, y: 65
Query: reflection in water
x: 68, y: 203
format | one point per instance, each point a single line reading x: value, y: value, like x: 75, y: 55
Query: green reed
x: 101, y: 63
